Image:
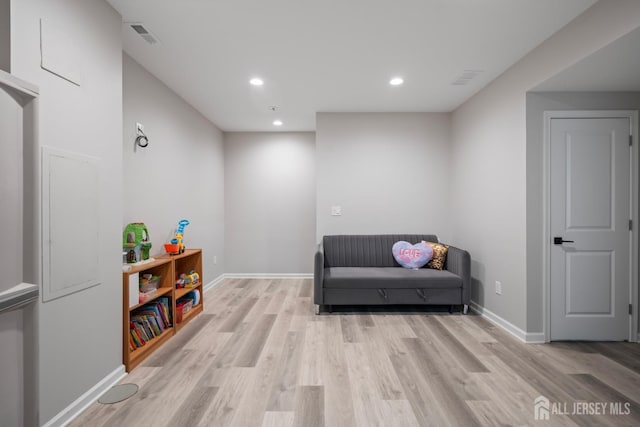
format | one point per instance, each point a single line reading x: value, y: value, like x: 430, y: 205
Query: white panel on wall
x: 70, y: 192
x: 59, y: 53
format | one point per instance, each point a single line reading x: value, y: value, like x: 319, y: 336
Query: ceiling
x: 332, y: 55
x: 614, y: 68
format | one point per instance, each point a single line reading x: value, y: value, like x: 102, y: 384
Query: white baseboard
x: 215, y: 282
x: 526, y: 337
x: 535, y: 338
x: 69, y: 413
x: 268, y: 275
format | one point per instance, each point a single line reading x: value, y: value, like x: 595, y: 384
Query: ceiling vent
x: 466, y: 77
x: 143, y: 32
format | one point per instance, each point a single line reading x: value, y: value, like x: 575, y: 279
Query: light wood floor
x: 258, y: 356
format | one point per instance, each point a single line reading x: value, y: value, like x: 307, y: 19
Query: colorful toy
x: 135, y: 242
x: 177, y: 240
x: 180, y: 281
x: 192, y: 279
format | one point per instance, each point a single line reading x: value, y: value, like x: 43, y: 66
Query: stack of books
x: 148, y: 322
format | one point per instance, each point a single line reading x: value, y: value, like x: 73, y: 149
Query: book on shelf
x: 136, y: 335
x: 149, y: 321
x: 164, y: 306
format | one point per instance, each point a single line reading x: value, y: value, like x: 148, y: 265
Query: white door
x: 590, y: 238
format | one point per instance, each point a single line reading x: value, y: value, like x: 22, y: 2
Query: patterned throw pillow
x: 439, y: 255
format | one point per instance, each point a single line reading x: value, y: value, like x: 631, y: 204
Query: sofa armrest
x: 459, y: 262
x: 318, y: 276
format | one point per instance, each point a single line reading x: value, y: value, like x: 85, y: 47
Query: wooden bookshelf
x: 167, y: 267
x: 190, y: 260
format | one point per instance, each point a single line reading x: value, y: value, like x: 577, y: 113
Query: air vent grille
x: 139, y: 29
x: 143, y: 32
x: 466, y: 77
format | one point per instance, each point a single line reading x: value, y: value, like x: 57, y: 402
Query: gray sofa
x: 361, y: 270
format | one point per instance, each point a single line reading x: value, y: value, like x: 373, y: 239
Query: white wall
x: 489, y: 157
x: 389, y: 172
x: 270, y: 202
x: 179, y: 175
x: 80, y: 334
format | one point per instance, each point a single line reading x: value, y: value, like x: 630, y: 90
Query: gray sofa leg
x: 324, y: 308
x: 465, y: 308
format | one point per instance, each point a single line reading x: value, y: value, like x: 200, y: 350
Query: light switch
x: 336, y: 210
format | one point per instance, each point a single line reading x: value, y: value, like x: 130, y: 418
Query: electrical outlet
x: 215, y: 260
x: 336, y: 210
x: 139, y: 128
x: 498, y: 288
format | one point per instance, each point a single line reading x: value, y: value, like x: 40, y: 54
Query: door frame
x: 634, y: 195
x: 29, y: 94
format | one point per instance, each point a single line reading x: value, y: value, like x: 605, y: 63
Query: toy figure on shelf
x: 135, y: 242
x: 177, y: 240
x: 180, y: 281
x: 192, y: 279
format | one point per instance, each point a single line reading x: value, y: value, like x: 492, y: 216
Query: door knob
x: 559, y: 241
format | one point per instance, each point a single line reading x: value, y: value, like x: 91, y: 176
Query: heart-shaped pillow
x: 412, y: 256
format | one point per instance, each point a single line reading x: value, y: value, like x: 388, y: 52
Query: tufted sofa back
x: 366, y: 250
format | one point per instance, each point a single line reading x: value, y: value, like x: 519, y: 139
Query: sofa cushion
x: 389, y: 277
x: 412, y: 256
x: 439, y: 255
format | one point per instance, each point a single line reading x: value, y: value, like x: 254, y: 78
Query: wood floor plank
x: 309, y: 408
x: 222, y: 408
x: 276, y: 303
x: 178, y: 342
x: 192, y: 410
x: 254, y: 403
x: 351, y: 329
x: 312, y: 354
x: 277, y: 419
x: 452, y: 403
x: 250, y: 352
x: 419, y: 394
x: 282, y: 395
x: 258, y: 309
x: 338, y: 404
x: 398, y: 413
x: 509, y: 395
x: 442, y: 356
x: 596, y: 364
x: 306, y: 288
x: 366, y: 401
x: 260, y: 356
x: 612, y: 396
x: 155, y: 401
x: 237, y: 315
x: 620, y: 353
x: 386, y: 380
x: 466, y: 358
x: 214, y: 373
x: 98, y: 414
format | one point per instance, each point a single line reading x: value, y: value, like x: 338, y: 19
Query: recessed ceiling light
x: 256, y: 81
x: 396, y: 81
x: 277, y: 122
